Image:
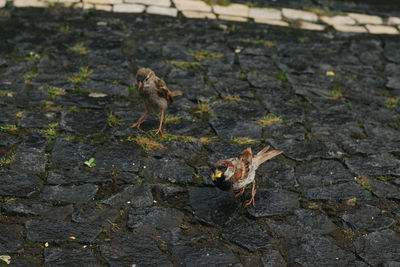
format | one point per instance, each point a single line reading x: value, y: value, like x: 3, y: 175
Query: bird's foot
x: 240, y: 192
x: 251, y: 200
x: 137, y: 124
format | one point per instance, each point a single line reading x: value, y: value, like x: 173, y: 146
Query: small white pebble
x: 154, y: 201
x: 128, y: 202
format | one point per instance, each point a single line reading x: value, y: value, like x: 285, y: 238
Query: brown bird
x: 235, y: 173
x: 155, y: 94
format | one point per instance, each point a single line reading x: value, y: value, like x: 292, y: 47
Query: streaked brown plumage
x: 235, y: 173
x: 155, y: 94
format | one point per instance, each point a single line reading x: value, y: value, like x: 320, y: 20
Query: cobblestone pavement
x: 79, y: 187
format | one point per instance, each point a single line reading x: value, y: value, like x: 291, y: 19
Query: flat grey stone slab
x: 324, y: 172
x: 11, y: 238
x: 131, y: 249
x: 223, y: 205
x: 69, y: 155
x: 232, y: 128
x: 273, y: 202
x: 34, y: 120
x: 169, y: 169
x: 46, y: 231
x: 7, y: 139
x: 76, y: 176
x: 69, y: 257
x: 70, y: 194
x: 132, y: 196
x: 18, y: 185
x: 246, y: 234
x: 119, y: 157
x: 367, y: 218
x: 36, y: 208
x: 384, y: 189
x: 337, y: 192
x: 156, y: 217
x: 96, y: 214
x: 379, y: 247
x: 380, y: 164
x: 86, y: 124
x: 204, y: 255
x: 276, y: 175
x: 307, y: 150
x: 313, y: 250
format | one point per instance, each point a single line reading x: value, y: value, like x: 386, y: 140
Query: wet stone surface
x: 73, y: 172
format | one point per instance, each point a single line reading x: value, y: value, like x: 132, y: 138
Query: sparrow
x: 155, y: 95
x: 235, y: 173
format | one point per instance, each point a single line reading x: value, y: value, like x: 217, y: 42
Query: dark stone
x: 273, y: 202
x: 76, y: 176
x: 179, y: 237
x: 337, y: 133
x: 324, y: 172
x: 381, y: 164
x: 379, y: 247
x: 392, y: 51
x: 370, y: 146
x: 36, y: 208
x: 46, y: 231
x: 384, y: 189
x: 329, y: 117
x: 313, y: 250
x: 299, y: 65
x: 170, y: 169
x: 132, y: 195
x: 69, y: 155
x: 18, y: 185
x: 233, y: 128
x: 133, y: 249
x: 128, y: 177
x: 108, y: 88
x: 82, y: 101
x: 174, y: 52
x: 367, y: 218
x: 70, y: 194
x: 119, y: 157
x: 251, y: 63
x: 233, y: 87
x: 11, y: 238
x: 211, y: 205
x: 282, y: 131
x: 7, y: 139
x: 7, y: 116
x: 286, y: 111
x: 393, y: 82
x: 302, y: 222
x: 263, y: 80
x: 204, y: 255
x: 30, y: 156
x: 383, y: 133
x: 155, y: 217
x: 310, y: 85
x: 112, y: 74
x: 34, y: 120
x: 238, y: 110
x: 276, y: 175
x: 69, y: 257
x: 165, y: 191
x: 96, y: 214
x: 337, y: 192
x: 271, y: 258
x: 246, y: 233
x: 86, y: 124
x: 306, y: 150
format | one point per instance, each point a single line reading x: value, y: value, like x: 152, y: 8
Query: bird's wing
x: 242, y: 169
x: 163, y: 91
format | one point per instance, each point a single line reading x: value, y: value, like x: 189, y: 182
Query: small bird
x: 235, y: 173
x: 155, y: 94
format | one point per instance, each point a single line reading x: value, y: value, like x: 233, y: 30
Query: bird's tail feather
x: 263, y: 155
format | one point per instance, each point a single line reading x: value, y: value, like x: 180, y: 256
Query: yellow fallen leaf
x: 5, y: 258
x: 351, y: 201
x: 46, y: 244
x: 72, y: 237
x: 330, y: 73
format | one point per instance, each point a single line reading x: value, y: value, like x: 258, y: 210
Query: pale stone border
x: 197, y: 9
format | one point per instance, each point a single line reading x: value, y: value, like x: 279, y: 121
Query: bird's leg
x: 159, y: 130
x: 253, y: 193
x: 140, y: 120
x: 240, y: 192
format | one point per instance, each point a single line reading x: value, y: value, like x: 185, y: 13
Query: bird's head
x: 217, y: 172
x: 142, y: 75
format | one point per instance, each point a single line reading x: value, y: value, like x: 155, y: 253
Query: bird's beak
x: 217, y: 175
x: 139, y: 85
